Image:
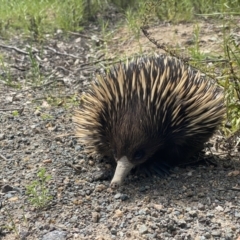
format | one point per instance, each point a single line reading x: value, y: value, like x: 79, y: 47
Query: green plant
x: 15, y: 113
x: 35, y: 73
x: 70, y: 15
x: 34, y: 27
x: 37, y: 191
x: 13, y: 226
x: 46, y: 116
x: 72, y: 100
x: 6, y: 76
x: 195, y: 50
x: 133, y: 22
x: 232, y: 87
x: 36, y: 17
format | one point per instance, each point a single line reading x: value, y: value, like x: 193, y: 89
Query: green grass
x: 37, y: 17
x: 6, y: 77
x: 225, y: 69
x: 25, y: 15
x: 232, y: 86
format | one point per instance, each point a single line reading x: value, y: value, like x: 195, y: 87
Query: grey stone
x: 55, y: 235
x: 143, y: 229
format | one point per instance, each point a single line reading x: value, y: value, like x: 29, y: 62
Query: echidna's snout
x: 124, y: 166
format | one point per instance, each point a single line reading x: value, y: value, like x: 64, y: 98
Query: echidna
x: 149, y: 111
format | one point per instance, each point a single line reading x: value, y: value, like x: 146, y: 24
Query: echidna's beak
x: 123, y: 168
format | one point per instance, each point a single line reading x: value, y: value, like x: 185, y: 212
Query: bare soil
x: 195, y: 202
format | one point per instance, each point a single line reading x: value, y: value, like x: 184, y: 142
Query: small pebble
x: 59, y: 235
x: 158, y: 207
x: 193, y: 213
x: 182, y: 223
x: 143, y: 229
x: 216, y: 233
x: 142, y: 212
x: 2, y: 136
x: 124, y: 197
x: 201, y: 206
x: 237, y: 214
x: 117, y: 196
x: 95, y: 217
x: 142, y: 189
x: 207, y: 235
x: 113, y: 231
x: 7, y: 188
x: 118, y: 213
x: 219, y: 208
x: 100, y: 188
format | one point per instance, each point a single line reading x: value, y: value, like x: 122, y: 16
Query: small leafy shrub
x: 37, y: 191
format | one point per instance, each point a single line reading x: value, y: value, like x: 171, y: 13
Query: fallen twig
x: 18, y: 68
x: 12, y: 109
x: 160, y: 46
x: 87, y: 37
x: 48, y: 83
x: 76, y: 168
x: 227, y: 189
x: 63, y: 54
x: 95, y: 62
x: 3, y: 157
x: 17, y: 49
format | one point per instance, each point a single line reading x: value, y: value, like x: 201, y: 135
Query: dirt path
x: 36, y: 131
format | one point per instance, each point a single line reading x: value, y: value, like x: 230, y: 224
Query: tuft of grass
x: 133, y: 22
x: 14, y: 225
x: 46, y: 116
x: 5, y: 74
x: 195, y: 51
x: 37, y: 191
x: 15, y: 113
x: 232, y: 87
x: 71, y: 15
x: 29, y: 16
x: 35, y: 18
x: 34, y: 73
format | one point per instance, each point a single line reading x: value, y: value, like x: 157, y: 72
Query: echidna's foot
x: 146, y: 171
x: 161, y: 169
x: 149, y: 169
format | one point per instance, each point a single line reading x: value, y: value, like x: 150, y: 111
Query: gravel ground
x: 195, y: 202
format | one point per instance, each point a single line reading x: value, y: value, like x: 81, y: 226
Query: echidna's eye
x: 115, y: 154
x: 138, y: 154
